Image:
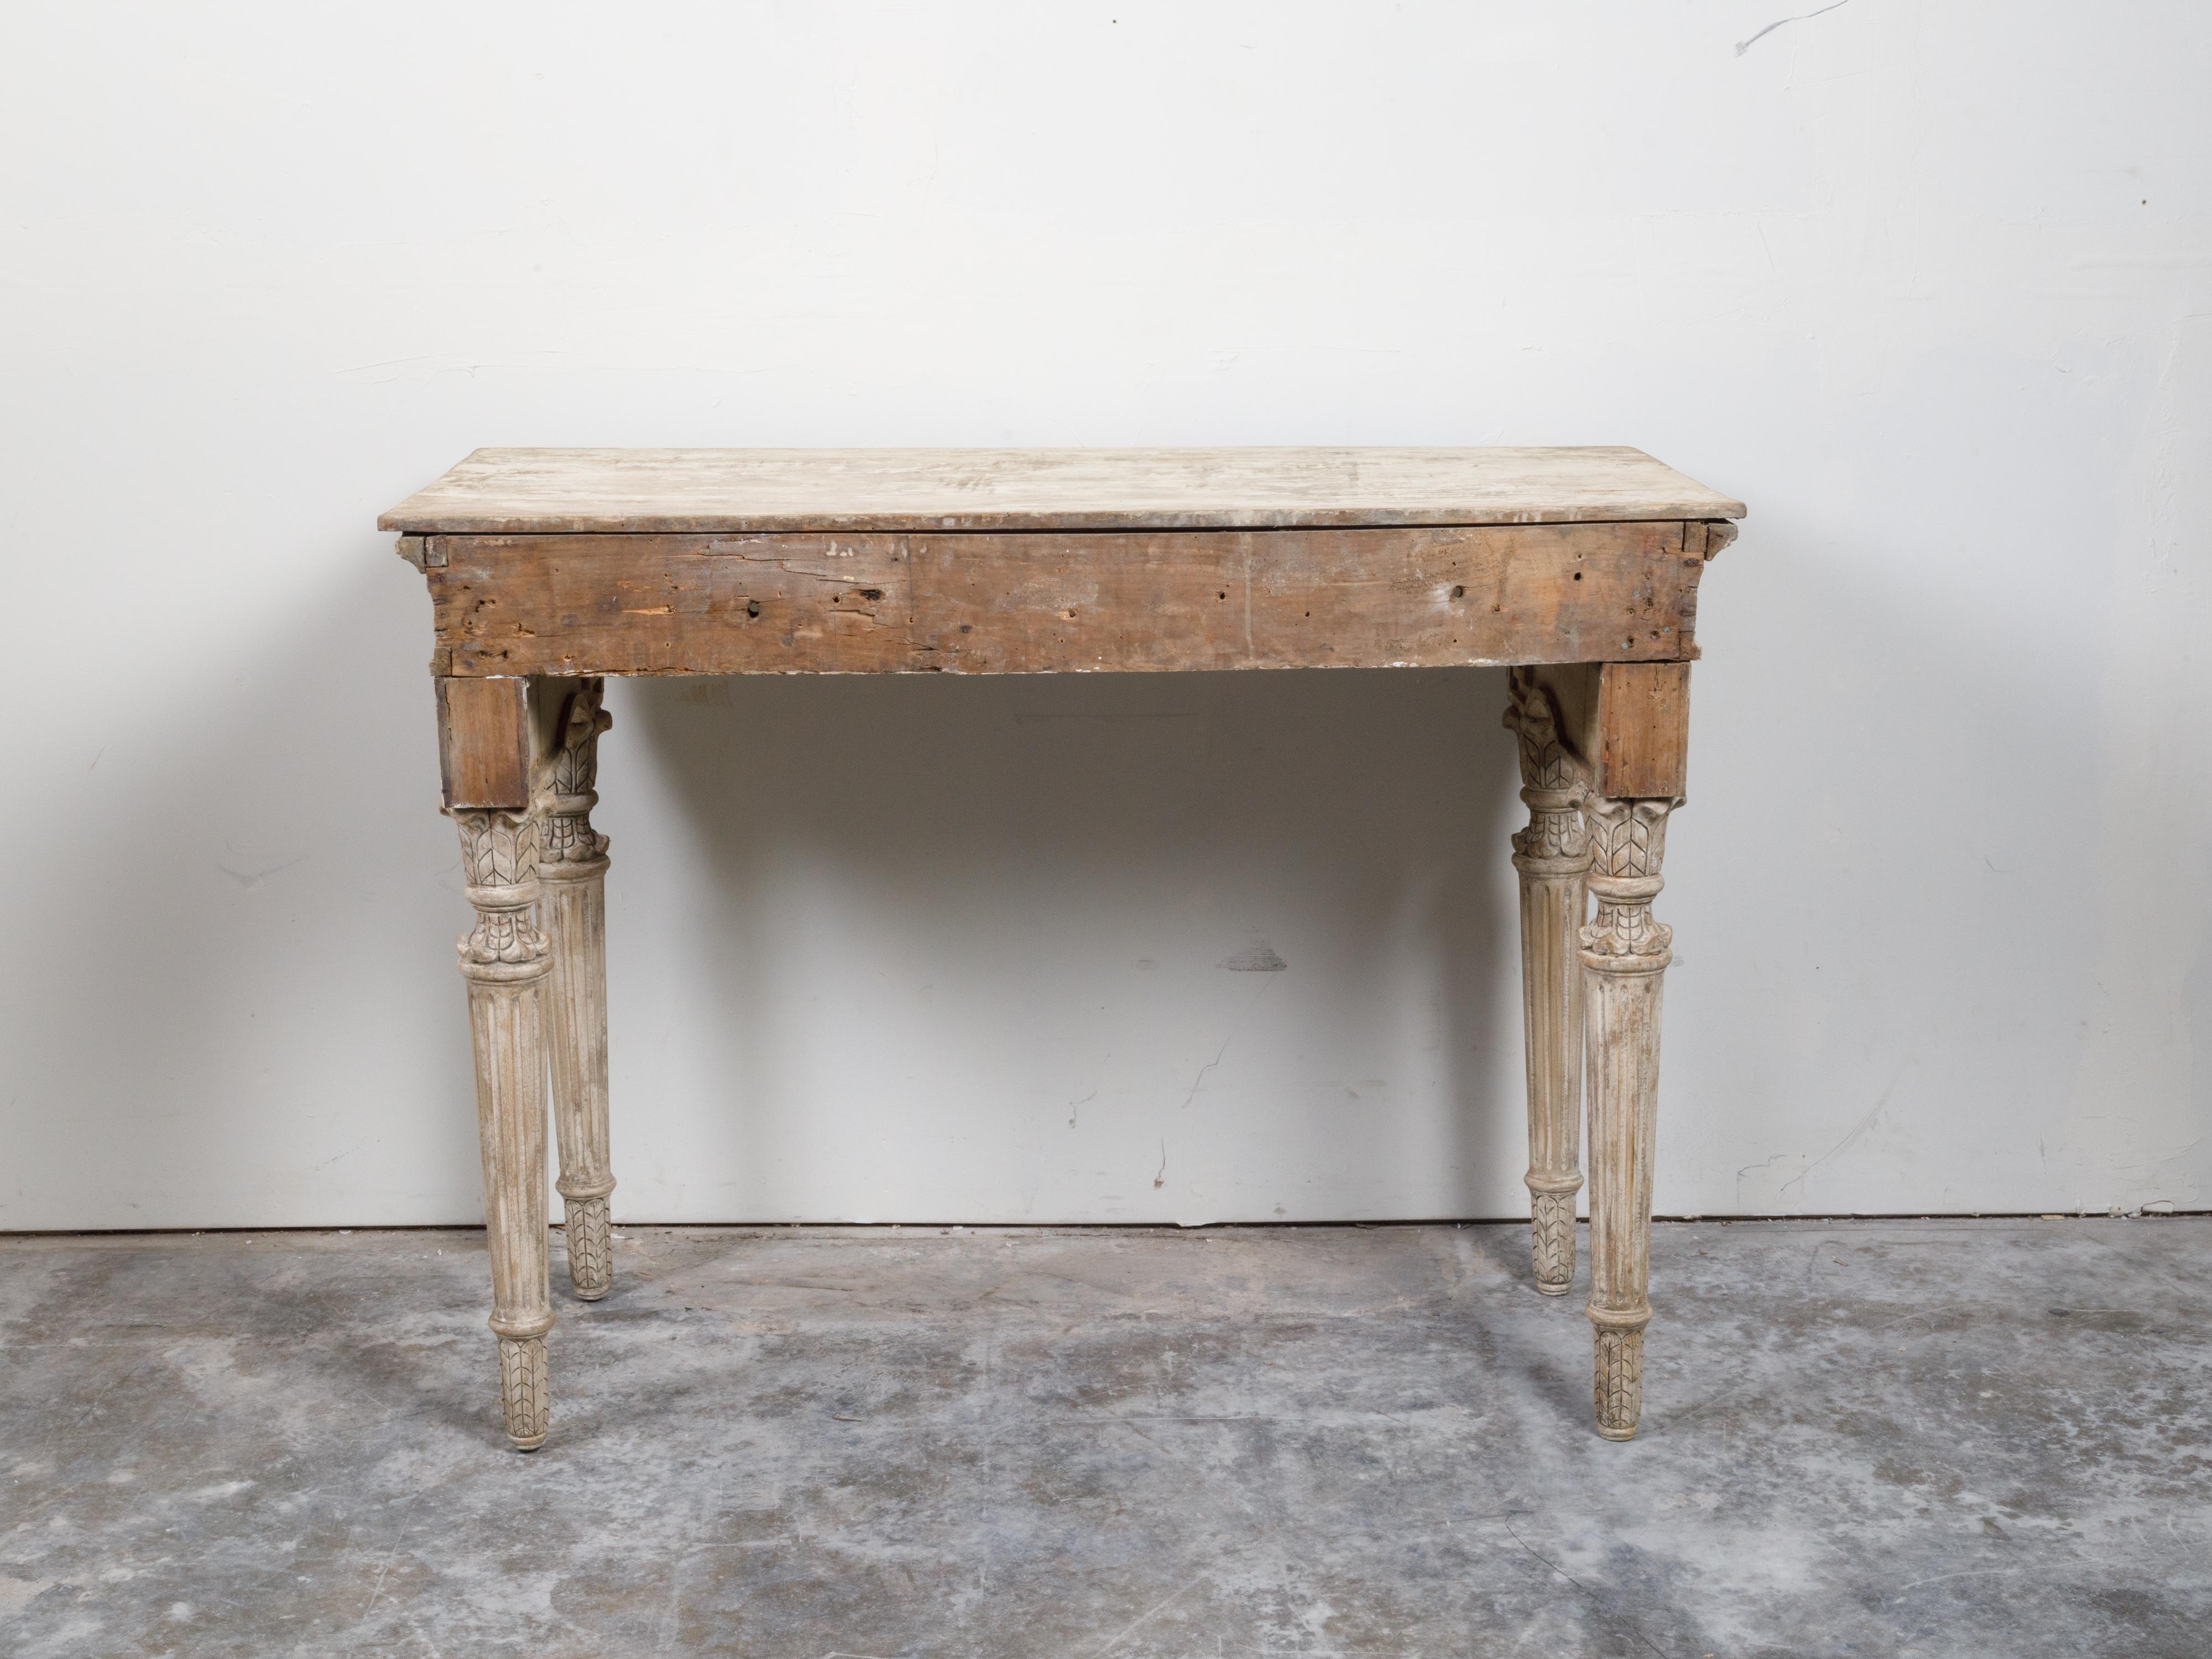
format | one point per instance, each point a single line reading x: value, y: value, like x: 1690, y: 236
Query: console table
x: 551, y: 568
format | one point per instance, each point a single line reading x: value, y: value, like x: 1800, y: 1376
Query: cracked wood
x: 1012, y: 602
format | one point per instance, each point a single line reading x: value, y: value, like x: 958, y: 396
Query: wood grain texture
x: 1626, y: 723
x: 1643, y: 730
x: 483, y: 742
x: 567, y: 491
x: 1579, y: 566
x: 1083, y: 603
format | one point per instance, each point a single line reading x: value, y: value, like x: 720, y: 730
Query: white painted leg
x: 573, y: 864
x: 1553, y: 857
x: 1624, y: 955
x: 504, y: 961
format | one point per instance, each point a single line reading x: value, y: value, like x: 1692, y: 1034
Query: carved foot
x: 1620, y: 1380
x: 1552, y: 1234
x: 591, y: 1249
x: 526, y: 1391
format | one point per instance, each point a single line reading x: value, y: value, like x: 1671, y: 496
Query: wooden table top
x: 676, y: 491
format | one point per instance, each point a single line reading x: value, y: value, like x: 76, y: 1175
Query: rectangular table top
x: 674, y: 491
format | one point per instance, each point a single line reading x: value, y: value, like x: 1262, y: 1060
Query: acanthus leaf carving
x: 1628, y: 845
x: 499, y: 848
x: 498, y: 862
x: 571, y: 778
x: 1552, y: 781
x: 1628, y: 838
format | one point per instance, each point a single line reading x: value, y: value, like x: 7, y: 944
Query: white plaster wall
x: 1929, y: 285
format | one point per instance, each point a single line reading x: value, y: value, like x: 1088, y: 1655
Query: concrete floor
x: 1953, y: 1438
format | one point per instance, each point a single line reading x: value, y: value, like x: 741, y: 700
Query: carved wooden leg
x: 573, y: 864
x: 1552, y: 855
x: 1624, y: 955
x: 504, y: 960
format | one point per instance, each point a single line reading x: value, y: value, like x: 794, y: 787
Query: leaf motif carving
x: 572, y: 778
x: 1551, y: 1236
x: 1619, y: 1381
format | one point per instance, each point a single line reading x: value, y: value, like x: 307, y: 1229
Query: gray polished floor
x: 1934, y: 1437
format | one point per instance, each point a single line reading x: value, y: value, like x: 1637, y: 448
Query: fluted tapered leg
x: 1625, y: 954
x: 504, y: 960
x: 573, y: 864
x: 1553, y: 857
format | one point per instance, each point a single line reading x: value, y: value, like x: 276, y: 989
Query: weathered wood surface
x: 1625, y: 724
x: 1579, y: 566
x: 1029, y: 603
x: 1643, y: 730
x: 483, y: 742
x: 567, y: 491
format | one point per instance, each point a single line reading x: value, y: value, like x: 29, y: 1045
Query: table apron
x: 1041, y: 602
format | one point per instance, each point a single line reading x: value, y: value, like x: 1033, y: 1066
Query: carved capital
x: 1628, y: 838
x: 498, y: 862
x: 1552, y: 781
x: 569, y: 784
x: 1532, y: 716
x: 1628, y: 844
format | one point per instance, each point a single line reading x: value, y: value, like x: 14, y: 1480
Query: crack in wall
x: 1743, y: 46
